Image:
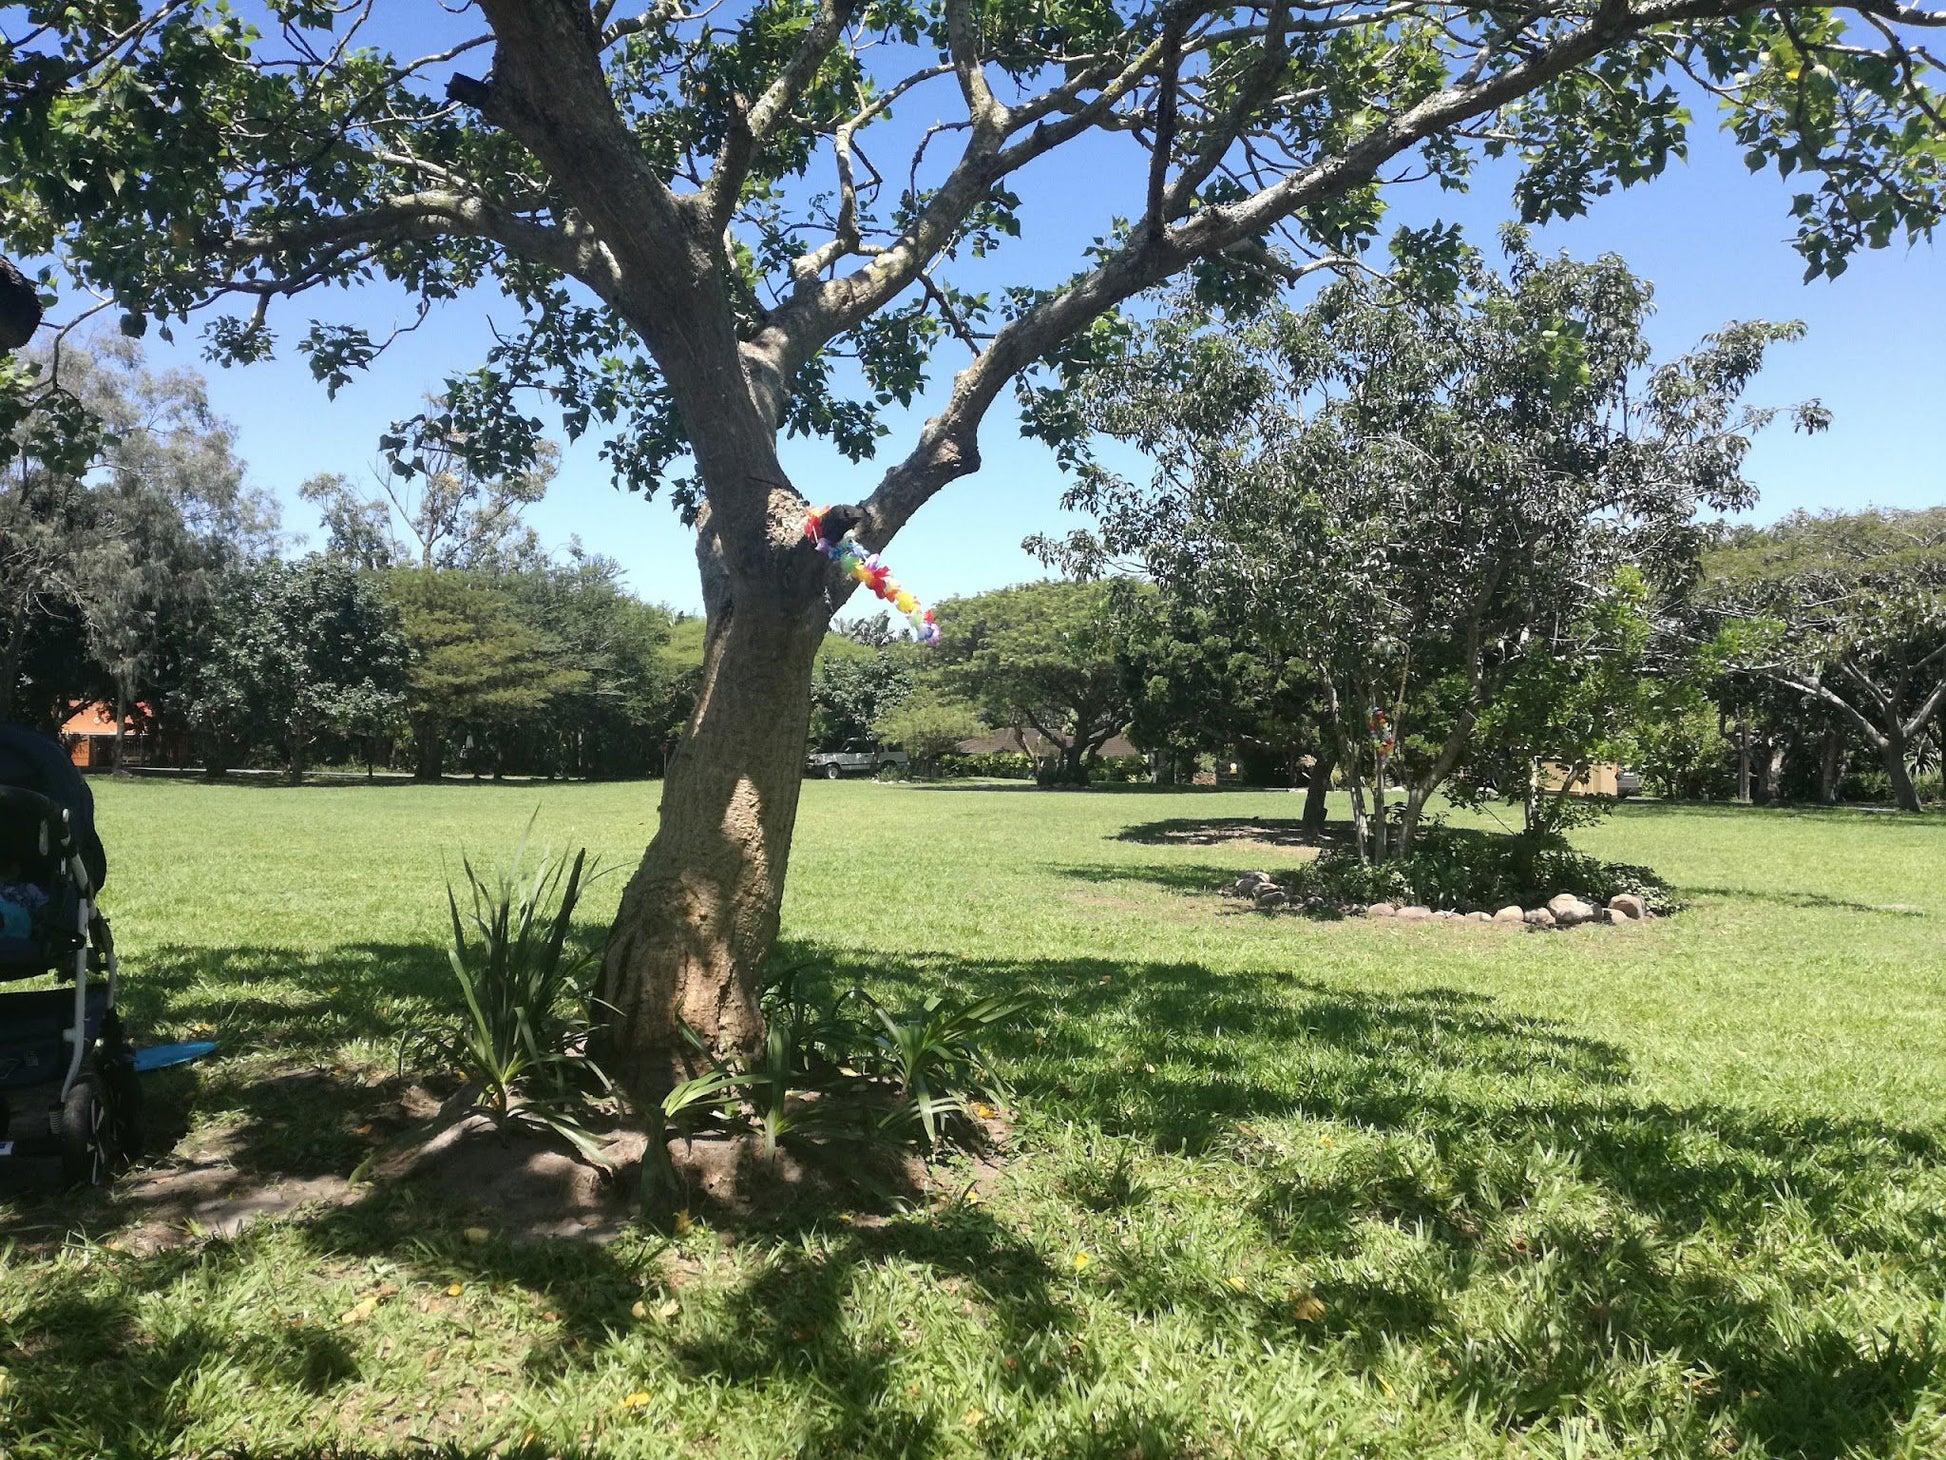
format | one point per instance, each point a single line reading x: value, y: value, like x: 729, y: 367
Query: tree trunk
x: 428, y: 752
x: 1315, y: 807
x: 1074, y: 762
x: 1743, y: 760
x: 1904, y: 794
x: 1770, y: 772
x: 701, y: 912
x: 121, y: 726
x: 1831, y: 766
x: 1415, y: 805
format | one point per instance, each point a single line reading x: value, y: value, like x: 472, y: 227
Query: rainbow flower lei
x: 1384, y: 736
x: 867, y: 569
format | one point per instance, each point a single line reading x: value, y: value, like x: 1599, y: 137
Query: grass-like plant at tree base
x: 523, y: 979
x: 843, y: 1071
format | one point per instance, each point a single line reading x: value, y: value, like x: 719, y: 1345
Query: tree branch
x: 749, y: 132
x: 570, y: 249
x: 948, y: 446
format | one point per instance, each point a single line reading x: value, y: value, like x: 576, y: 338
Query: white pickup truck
x: 854, y: 759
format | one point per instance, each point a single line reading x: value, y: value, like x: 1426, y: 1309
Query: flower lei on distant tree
x: 867, y: 569
x: 1384, y: 738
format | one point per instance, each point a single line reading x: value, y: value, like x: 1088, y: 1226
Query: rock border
x: 1565, y: 910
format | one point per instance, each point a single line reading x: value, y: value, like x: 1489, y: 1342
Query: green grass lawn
x: 1278, y: 1187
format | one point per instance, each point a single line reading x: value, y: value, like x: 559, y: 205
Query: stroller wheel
x: 90, y: 1139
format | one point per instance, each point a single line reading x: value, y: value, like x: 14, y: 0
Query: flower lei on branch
x: 867, y: 569
x: 1384, y: 736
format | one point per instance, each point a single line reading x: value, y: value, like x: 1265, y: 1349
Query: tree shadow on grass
x: 1464, y: 1122
x: 1798, y: 897
x: 1205, y: 879
x: 1217, y: 831
x: 1476, y: 1115
x: 1851, y: 813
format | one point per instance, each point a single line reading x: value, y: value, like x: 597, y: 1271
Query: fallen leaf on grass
x: 359, y: 1311
x: 477, y: 1234
x: 972, y: 1419
x: 1307, y: 1309
x: 633, y: 1401
x: 453, y: 1290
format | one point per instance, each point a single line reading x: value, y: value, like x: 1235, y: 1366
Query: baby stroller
x: 67, y: 1073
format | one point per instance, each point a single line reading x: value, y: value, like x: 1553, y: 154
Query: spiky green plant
x: 935, y: 1058
x: 521, y: 977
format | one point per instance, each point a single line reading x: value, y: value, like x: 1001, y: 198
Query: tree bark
x: 428, y: 752
x: 701, y: 912
x: 1831, y: 766
x: 1315, y: 807
x: 1905, y: 795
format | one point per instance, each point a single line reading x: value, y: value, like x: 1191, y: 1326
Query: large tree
x: 1197, y: 680
x: 1845, y: 614
x: 1040, y: 657
x: 478, y: 666
x: 114, y: 521
x: 1432, y: 504
x: 700, y: 220
x: 288, y: 652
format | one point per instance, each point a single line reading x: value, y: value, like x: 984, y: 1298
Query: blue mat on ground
x: 162, y: 1056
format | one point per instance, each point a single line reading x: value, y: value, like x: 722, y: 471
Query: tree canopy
x: 102, y: 556
x: 1846, y: 612
x: 291, y: 651
x: 1440, y: 508
x: 670, y: 197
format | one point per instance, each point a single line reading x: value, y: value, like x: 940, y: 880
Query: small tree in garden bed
x: 1450, y: 511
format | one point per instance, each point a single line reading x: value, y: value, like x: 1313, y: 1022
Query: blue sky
x: 1713, y: 238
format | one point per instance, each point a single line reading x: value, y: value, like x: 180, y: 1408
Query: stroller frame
x: 89, y: 1113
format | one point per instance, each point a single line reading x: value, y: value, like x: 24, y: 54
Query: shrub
x: 1005, y: 765
x: 1477, y: 871
x: 1118, y: 770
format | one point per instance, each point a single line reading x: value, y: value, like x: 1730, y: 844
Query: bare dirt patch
x: 523, y: 1183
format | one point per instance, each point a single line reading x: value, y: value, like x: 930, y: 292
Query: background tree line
x: 1802, y: 661
x: 430, y: 631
